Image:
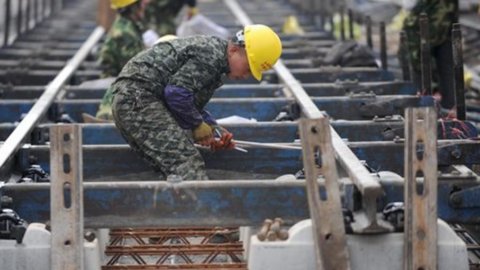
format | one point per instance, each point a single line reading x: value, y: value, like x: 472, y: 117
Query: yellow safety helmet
x: 263, y: 47
x: 116, y: 4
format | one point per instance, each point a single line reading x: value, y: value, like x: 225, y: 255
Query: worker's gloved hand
x: 224, y: 140
x: 203, y: 134
x: 192, y: 11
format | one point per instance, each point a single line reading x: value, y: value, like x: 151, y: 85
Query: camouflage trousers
x: 149, y: 128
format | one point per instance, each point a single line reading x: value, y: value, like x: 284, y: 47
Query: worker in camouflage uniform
x: 124, y: 40
x: 160, y: 95
x: 441, y: 14
x: 161, y: 14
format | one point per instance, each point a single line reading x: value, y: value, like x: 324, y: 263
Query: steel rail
x: 15, y: 139
x: 363, y: 180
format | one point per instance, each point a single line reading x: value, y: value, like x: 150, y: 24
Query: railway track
x: 365, y: 107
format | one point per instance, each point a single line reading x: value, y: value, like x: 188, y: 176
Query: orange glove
x: 224, y: 142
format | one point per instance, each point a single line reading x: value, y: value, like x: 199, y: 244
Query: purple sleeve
x: 180, y: 103
x: 208, y: 118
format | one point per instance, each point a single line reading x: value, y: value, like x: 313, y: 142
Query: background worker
x: 160, y: 95
x: 441, y: 15
x: 161, y: 14
x: 124, y: 40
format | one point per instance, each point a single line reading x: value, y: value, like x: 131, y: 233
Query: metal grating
x: 174, y: 248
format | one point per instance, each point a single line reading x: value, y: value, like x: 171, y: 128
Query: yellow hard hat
x: 116, y: 4
x: 263, y: 47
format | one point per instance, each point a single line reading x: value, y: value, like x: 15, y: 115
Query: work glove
x: 192, y: 11
x: 203, y: 134
x: 224, y: 140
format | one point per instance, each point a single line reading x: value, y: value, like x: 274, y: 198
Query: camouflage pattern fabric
x: 152, y: 132
x: 124, y: 40
x: 161, y: 15
x: 441, y: 15
x: 105, y: 109
x: 196, y: 64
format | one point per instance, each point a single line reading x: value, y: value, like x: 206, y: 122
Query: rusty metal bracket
x: 325, y: 211
x: 66, y: 201
x: 420, y: 237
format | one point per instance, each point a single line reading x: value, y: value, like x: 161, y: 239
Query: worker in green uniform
x: 160, y: 95
x: 124, y: 39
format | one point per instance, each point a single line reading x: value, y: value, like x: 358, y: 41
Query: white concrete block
x: 367, y: 252
x: 34, y: 251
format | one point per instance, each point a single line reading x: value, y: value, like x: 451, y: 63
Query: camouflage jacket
x: 161, y: 14
x: 196, y: 64
x: 441, y: 14
x: 124, y: 40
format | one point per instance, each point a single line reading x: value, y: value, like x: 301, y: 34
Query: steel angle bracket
x: 325, y: 211
x: 420, y: 237
x: 66, y: 201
